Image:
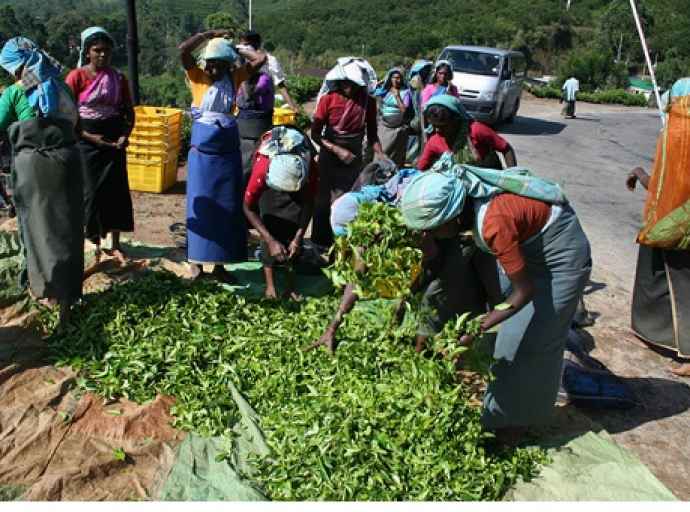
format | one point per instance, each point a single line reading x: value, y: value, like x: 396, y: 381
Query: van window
x: 518, y: 65
x: 473, y: 62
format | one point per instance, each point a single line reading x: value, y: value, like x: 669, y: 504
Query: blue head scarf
x: 680, y: 88
x: 422, y: 68
x: 39, y: 72
x: 385, y: 86
x: 220, y: 48
x: 91, y: 33
x: 439, y: 195
x: 432, y: 199
x: 451, y: 103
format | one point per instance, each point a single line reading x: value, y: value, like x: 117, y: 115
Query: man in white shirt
x: 272, y: 67
x: 570, y: 89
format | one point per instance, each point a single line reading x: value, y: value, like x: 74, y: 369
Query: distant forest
x: 596, y: 35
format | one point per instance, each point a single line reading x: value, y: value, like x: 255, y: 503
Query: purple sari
x: 102, y: 99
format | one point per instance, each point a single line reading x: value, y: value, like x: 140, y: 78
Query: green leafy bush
x: 303, y: 87
x: 594, y: 69
x: 609, y: 96
x: 614, y: 96
x: 166, y: 90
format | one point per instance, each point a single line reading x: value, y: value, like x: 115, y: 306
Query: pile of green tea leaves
x: 379, y: 422
x: 379, y: 254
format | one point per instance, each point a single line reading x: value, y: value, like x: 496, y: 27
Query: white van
x: 489, y: 80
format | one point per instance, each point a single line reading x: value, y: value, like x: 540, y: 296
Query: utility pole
x: 648, y: 60
x: 250, y: 14
x: 133, y: 50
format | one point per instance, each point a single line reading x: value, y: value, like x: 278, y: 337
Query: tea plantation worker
x: 345, y: 113
x: 255, y: 102
x: 216, y: 228
x: 469, y: 140
x: 41, y: 116
x: 440, y: 83
x: 417, y: 78
x: 661, y: 296
x: 106, y: 116
x: 272, y: 66
x: 282, y: 188
x: 545, y: 260
x: 570, y: 89
x: 395, y: 107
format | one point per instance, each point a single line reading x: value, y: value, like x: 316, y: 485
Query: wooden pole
x: 133, y: 50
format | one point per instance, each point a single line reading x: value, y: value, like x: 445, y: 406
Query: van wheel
x: 512, y: 115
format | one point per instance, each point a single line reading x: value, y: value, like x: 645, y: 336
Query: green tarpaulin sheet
x: 592, y: 467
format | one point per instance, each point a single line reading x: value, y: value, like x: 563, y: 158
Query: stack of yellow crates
x: 154, y: 149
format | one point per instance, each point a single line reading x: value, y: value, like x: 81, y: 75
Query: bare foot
x: 120, y: 256
x: 196, y: 271
x: 682, y: 371
x: 271, y: 294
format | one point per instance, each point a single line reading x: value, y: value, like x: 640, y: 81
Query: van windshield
x: 473, y: 62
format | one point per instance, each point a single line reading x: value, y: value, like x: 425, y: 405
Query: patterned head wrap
x: 39, y: 72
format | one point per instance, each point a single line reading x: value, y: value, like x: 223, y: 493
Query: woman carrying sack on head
x: 282, y: 187
x: 345, y: 113
x: 216, y: 227
x: 47, y: 174
x: 106, y: 117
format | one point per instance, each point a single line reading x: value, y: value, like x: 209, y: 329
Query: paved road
x: 591, y: 156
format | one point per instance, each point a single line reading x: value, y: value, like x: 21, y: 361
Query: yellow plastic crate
x: 152, y: 154
x: 148, y: 176
x: 152, y: 143
x: 158, y: 116
x: 284, y: 115
x: 157, y: 124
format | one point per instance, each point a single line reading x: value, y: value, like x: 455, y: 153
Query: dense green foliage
x: 379, y: 422
x: 593, y: 34
x: 391, y: 31
x: 378, y: 255
x: 303, y: 88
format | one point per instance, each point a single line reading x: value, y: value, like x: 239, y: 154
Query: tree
x: 222, y: 21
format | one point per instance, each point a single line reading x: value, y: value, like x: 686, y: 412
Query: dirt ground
x: 590, y: 157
